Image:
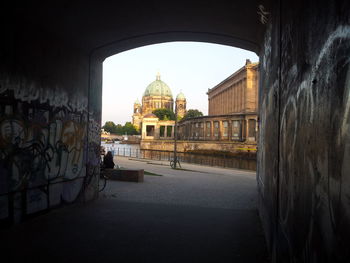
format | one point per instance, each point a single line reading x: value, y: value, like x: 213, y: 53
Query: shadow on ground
x: 109, y: 230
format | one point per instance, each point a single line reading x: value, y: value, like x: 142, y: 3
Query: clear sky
x: 190, y: 67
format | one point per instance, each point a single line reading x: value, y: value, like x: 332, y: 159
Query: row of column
x: 166, y: 131
x: 237, y: 130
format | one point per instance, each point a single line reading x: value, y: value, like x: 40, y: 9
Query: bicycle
x: 174, y: 163
x: 103, y: 180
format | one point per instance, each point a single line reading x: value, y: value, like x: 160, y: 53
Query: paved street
x: 200, y: 214
x: 196, y: 185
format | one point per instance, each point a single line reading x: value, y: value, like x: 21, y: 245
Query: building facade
x: 233, y: 106
x: 156, y: 96
x: 229, y: 127
x: 232, y: 123
x: 236, y: 94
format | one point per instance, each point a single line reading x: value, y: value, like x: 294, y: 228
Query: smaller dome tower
x: 137, y: 106
x: 137, y: 115
x: 181, y: 104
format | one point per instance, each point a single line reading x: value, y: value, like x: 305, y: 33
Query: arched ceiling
x: 109, y: 27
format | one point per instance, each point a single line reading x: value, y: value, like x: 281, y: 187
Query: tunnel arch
x: 125, y: 44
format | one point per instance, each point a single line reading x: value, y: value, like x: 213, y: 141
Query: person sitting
x: 108, y: 160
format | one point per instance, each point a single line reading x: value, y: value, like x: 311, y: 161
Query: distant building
x: 236, y: 94
x: 233, y: 107
x: 156, y: 96
x: 231, y: 125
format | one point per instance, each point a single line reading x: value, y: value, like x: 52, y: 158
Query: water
x: 121, y: 149
x: 133, y: 150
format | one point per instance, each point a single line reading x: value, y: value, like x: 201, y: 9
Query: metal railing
x: 248, y: 163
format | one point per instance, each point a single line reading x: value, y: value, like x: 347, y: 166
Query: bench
x: 128, y: 175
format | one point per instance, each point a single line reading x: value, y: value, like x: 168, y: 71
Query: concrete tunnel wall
x: 304, y: 148
x: 49, y: 128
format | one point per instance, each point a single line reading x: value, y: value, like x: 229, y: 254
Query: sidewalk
x: 181, y: 216
x: 186, y: 166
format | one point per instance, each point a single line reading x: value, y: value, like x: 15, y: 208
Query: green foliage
x: 119, y: 129
x: 192, y: 113
x: 110, y: 127
x: 164, y: 114
x: 149, y: 173
x: 129, y: 129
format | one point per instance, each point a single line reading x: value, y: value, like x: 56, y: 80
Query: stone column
x: 245, y: 129
x: 156, y: 131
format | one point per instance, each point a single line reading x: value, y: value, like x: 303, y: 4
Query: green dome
x: 180, y: 96
x: 157, y: 88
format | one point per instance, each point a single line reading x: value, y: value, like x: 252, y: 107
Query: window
x: 150, y: 130
x: 251, y: 128
x: 169, y: 130
x: 236, y: 129
x: 161, y: 131
x: 216, y: 128
x: 201, y: 129
x: 208, y: 129
x: 225, y: 130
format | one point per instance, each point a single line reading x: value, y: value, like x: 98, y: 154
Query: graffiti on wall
x: 43, y: 148
x: 27, y: 91
x: 314, y: 186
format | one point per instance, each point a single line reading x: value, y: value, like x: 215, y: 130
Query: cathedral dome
x: 180, y: 96
x: 158, y: 88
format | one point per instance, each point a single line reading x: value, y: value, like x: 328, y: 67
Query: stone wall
x: 304, y: 142
x: 184, y: 146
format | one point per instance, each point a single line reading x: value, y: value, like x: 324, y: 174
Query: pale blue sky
x: 192, y: 67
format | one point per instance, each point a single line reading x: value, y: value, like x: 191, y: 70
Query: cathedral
x: 157, y: 96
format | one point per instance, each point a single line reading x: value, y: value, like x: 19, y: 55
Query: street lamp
x: 175, y: 138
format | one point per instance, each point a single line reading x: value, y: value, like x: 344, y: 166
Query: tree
x: 110, y: 127
x: 130, y: 129
x: 192, y: 113
x: 119, y: 129
x: 164, y: 114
